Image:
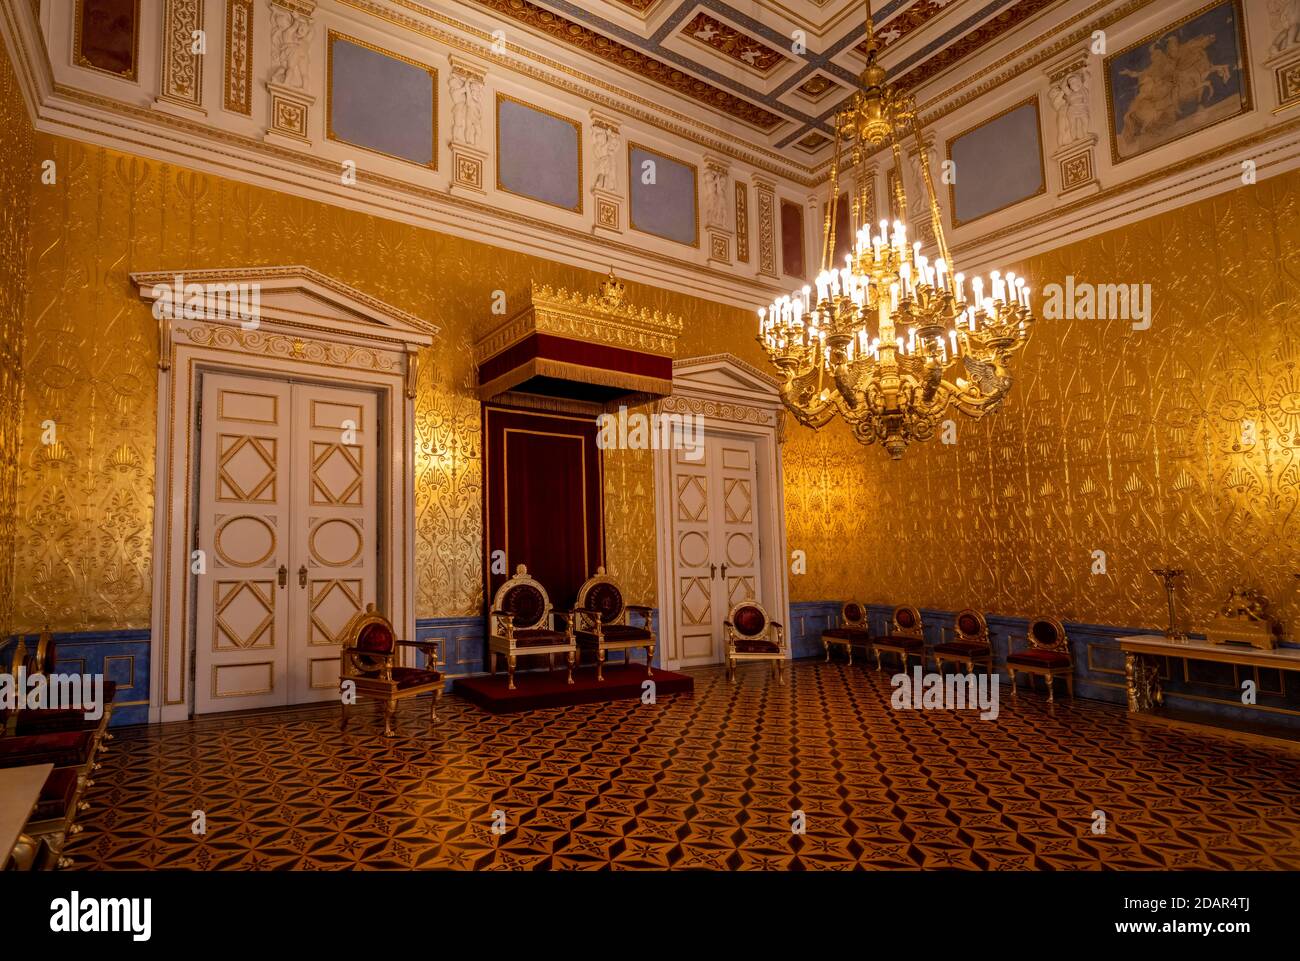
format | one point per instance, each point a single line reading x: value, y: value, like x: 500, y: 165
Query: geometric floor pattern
x: 709, y: 781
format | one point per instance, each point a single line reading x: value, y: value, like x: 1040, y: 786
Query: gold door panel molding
x: 245, y: 540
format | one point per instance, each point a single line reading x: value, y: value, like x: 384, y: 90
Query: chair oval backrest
x: 971, y: 626
x: 524, y: 600
x: 907, y: 620
x: 600, y: 593
x: 853, y: 614
x: 1048, y: 634
x: 749, y: 619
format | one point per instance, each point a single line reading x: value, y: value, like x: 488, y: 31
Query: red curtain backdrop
x: 543, y: 499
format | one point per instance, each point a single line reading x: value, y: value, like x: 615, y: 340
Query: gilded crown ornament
x: 878, y: 340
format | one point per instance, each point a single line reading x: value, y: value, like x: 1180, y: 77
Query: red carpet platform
x: 540, y: 689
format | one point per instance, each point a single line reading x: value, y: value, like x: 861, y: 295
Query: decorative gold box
x: 1244, y: 619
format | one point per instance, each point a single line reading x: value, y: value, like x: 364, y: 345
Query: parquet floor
x: 710, y: 781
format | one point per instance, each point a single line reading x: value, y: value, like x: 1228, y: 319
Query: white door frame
x: 735, y: 397
x: 308, y: 327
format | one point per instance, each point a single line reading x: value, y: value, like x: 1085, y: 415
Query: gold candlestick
x: 1169, y: 575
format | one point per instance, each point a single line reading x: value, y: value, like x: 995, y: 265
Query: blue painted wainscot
x: 1203, y: 688
x: 121, y: 656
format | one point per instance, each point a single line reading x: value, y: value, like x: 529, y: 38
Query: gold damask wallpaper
x: 17, y: 170
x: 1177, y: 446
x: 86, y: 501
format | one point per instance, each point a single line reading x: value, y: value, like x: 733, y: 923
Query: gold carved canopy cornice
x: 582, y: 338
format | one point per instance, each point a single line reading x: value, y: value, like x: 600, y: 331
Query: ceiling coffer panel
x: 591, y: 347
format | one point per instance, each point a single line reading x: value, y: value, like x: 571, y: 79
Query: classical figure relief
x: 606, y: 141
x: 290, y: 47
x: 715, y: 196
x: 1284, y: 20
x: 1072, y: 98
x: 466, y: 108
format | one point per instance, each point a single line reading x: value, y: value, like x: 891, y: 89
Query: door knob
x: 282, y: 575
x: 302, y: 576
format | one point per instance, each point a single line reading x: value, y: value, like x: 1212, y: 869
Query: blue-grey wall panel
x: 998, y: 163
x: 539, y: 154
x: 383, y: 103
x: 665, y: 207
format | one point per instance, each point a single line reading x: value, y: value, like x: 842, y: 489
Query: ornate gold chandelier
x: 888, y: 327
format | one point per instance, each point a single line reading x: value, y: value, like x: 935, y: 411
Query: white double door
x: 716, y: 541
x: 287, y: 530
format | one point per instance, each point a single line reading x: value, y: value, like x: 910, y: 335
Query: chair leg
x: 649, y: 661
x: 600, y: 664
x: 433, y: 707
x: 878, y: 665
x: 510, y: 671
x: 850, y: 655
x: 828, y: 650
x: 572, y: 657
x: 1011, y: 674
x: 1051, y: 689
x: 389, y: 710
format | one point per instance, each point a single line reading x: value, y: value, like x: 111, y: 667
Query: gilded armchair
x: 368, y: 667
x: 600, y: 621
x: 852, y: 632
x: 970, y: 644
x: 522, y: 621
x: 753, y: 636
x: 906, y: 637
x: 1048, y: 655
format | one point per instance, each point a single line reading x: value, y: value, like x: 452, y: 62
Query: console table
x: 20, y: 789
x: 1142, y: 677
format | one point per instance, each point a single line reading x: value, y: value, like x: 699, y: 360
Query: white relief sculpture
x: 1284, y: 20
x: 605, y: 140
x: 1072, y: 98
x: 715, y: 196
x: 466, y: 107
x: 290, y: 47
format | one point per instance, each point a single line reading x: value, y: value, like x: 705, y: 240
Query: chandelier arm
x: 832, y: 208
x: 936, y: 217
x: 900, y: 193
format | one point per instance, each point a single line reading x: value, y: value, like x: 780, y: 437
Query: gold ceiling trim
x: 240, y: 173
x: 1111, y: 193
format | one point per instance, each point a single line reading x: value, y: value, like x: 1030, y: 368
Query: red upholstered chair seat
x: 1039, y: 658
x: 902, y: 641
x: 538, y: 638
x: 756, y: 646
x: 62, y: 749
x: 962, y: 648
x: 56, y: 795
x: 615, y: 632
x: 407, y: 677
x: 848, y: 634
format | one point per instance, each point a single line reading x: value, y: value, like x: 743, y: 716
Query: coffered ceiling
x: 779, y: 69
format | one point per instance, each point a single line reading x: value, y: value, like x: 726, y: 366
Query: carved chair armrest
x: 568, y: 617
x: 430, y: 649
x: 644, y: 610
x: 504, y: 624
x: 586, y: 619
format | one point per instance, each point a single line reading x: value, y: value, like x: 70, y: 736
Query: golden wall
x: 17, y: 172
x: 86, y: 503
x: 1177, y: 446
